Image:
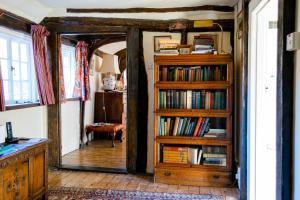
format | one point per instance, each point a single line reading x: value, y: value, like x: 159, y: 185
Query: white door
x: 262, y: 107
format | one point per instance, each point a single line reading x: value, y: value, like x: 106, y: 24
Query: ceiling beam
x: 151, y: 10
x: 92, y: 24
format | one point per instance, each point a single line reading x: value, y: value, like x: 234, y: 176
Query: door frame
x: 285, y: 100
x: 255, y: 7
x: 54, y: 111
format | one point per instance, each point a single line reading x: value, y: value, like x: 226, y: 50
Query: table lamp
x: 110, y: 67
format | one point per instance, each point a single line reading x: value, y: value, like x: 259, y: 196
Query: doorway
x: 263, y: 16
x: 94, y: 151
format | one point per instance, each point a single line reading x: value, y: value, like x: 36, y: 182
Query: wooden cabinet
x: 23, y: 172
x: 193, y: 113
x: 113, y: 102
x: 115, y: 107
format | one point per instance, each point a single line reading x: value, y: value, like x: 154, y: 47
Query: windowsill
x: 22, y: 106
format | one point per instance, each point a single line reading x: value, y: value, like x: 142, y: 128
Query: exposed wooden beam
x: 94, y: 24
x: 132, y: 97
x: 14, y: 22
x: 151, y: 10
x: 54, y: 111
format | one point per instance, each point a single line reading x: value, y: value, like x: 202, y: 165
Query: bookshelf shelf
x: 190, y: 166
x: 193, y: 85
x: 192, y: 112
x: 206, y: 131
x: 192, y: 140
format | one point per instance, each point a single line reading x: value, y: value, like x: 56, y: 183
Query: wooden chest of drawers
x: 24, y: 172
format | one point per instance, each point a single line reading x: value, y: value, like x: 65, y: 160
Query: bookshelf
x: 193, y: 119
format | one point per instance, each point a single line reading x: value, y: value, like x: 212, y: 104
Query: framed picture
x: 156, y: 41
x: 185, y: 49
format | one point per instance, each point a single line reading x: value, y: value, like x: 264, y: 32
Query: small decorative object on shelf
x: 193, y: 119
x: 184, y: 49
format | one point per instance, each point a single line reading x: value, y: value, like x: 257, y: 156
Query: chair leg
x: 122, y: 135
x: 113, y: 138
x: 87, y: 138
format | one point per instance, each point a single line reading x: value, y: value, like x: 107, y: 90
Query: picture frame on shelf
x: 185, y: 49
x: 156, y: 41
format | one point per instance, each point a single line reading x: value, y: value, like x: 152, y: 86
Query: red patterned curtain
x: 61, y: 76
x: 2, y: 99
x: 44, y: 81
x: 82, y: 80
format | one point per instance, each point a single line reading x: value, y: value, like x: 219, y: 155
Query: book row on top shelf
x: 193, y: 73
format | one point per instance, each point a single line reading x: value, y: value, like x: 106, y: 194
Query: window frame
x: 69, y: 49
x: 20, y: 38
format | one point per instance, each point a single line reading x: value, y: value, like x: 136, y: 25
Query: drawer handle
x: 167, y: 173
x: 9, y: 187
x: 216, y: 176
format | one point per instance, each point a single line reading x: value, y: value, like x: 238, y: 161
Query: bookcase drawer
x: 188, y: 176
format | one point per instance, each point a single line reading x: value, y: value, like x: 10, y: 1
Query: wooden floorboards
x: 129, y: 182
x: 99, y: 153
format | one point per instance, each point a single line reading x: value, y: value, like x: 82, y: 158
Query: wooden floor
x: 130, y: 183
x: 99, y: 153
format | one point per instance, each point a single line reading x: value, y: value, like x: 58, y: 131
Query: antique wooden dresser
x: 23, y: 170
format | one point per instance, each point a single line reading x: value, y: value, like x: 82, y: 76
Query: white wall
x: 296, y: 192
x: 149, y: 64
x: 28, y: 122
x: 70, y: 126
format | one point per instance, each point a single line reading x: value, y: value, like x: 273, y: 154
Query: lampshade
x: 110, y: 64
x: 203, y: 23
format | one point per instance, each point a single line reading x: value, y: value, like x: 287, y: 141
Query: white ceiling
x: 36, y: 10
x: 131, y: 3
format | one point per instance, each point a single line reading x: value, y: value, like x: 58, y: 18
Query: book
x: 197, y: 127
x: 192, y: 155
x: 214, y: 155
x: 199, y: 156
x: 188, y: 99
x: 203, y: 128
x: 175, y: 126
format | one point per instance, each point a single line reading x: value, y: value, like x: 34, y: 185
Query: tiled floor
x: 129, y: 182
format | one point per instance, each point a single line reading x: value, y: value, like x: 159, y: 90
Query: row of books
x: 214, y: 155
x: 190, y: 126
x: 193, y: 74
x: 168, y: 47
x: 190, y: 155
x: 189, y: 99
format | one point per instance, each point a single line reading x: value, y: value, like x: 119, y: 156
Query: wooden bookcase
x: 187, y: 173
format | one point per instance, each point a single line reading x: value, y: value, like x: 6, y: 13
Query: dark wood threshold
x: 22, y: 106
x: 151, y: 10
x: 94, y: 169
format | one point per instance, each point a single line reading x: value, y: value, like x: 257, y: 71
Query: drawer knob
x: 167, y: 173
x: 216, y: 176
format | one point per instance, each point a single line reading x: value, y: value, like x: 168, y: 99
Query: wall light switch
x: 293, y: 41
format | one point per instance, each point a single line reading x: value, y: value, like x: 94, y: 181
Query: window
x: 16, y: 61
x: 69, y: 67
